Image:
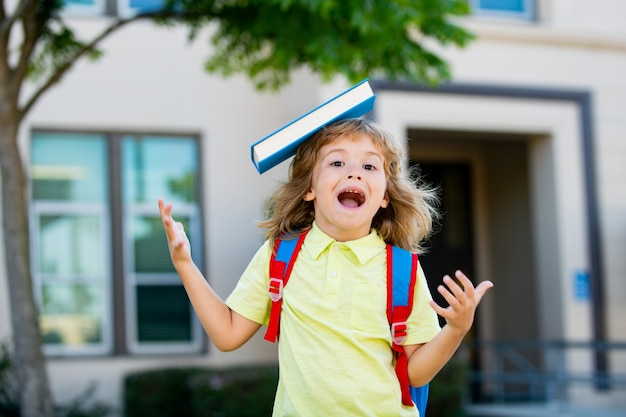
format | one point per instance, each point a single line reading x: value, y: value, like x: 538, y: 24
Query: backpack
x: 401, y: 273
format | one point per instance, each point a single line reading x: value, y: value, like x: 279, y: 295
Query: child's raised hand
x: 462, y: 299
x: 177, y: 240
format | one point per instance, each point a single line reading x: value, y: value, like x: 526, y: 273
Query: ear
x: 309, y: 195
x: 385, y: 202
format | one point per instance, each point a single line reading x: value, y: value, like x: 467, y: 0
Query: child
x: 348, y: 189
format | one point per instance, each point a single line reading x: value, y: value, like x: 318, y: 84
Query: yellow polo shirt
x: 334, y: 355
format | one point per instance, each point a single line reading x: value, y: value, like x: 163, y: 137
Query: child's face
x: 348, y: 187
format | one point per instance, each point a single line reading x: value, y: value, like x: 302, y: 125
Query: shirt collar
x: 364, y: 248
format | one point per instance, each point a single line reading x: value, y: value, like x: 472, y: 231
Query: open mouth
x: 351, y: 198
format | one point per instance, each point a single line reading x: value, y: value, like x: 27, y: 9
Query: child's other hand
x: 177, y: 240
x: 462, y: 299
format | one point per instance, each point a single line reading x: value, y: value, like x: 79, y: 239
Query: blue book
x: 282, y: 143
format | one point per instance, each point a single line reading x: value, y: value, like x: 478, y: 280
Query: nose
x: 354, y: 176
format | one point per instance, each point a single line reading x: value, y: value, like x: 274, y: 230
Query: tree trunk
x: 35, y: 395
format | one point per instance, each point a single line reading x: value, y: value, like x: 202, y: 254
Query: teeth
x: 356, y: 192
x: 357, y: 197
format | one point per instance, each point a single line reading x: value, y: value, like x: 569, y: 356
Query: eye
x: 369, y: 167
x: 337, y: 163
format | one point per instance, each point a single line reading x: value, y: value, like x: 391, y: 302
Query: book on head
x: 282, y: 143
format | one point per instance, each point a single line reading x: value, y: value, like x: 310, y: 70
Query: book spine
x: 284, y: 153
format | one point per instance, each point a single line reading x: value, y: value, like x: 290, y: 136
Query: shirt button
x: 333, y: 274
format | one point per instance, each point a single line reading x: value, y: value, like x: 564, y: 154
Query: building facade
x: 528, y: 143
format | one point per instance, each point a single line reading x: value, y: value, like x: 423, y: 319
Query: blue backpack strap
x: 420, y: 398
x: 281, y: 263
x: 401, y: 279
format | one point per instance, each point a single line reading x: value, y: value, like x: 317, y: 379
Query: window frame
x: 119, y: 322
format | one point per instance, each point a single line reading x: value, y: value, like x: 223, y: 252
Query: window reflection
x: 159, y: 168
x: 69, y: 167
x: 71, y: 314
x: 163, y: 314
x: 151, y: 254
x: 511, y: 9
x: 70, y: 245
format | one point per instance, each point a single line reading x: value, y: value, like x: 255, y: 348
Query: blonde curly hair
x: 406, y: 222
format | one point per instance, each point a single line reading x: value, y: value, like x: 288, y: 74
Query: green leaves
x: 58, y: 46
x: 267, y: 39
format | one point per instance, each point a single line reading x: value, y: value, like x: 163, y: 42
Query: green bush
x: 9, y: 394
x: 249, y: 392
x: 81, y: 406
x: 448, y: 389
x: 199, y: 392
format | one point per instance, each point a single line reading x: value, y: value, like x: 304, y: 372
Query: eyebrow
x: 344, y: 150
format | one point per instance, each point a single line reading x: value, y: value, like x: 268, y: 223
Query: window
x: 122, y: 8
x: 154, y: 167
x: 85, y: 7
x: 127, y: 8
x: 101, y: 267
x: 516, y: 9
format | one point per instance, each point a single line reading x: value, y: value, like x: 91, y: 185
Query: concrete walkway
x: 541, y: 410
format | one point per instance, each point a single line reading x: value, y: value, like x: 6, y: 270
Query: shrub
x: 249, y: 392
x: 9, y: 394
x: 448, y: 389
x: 199, y: 392
x: 81, y: 406
x: 84, y: 406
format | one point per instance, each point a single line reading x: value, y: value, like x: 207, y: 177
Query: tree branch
x: 61, y: 70
x: 7, y: 23
x: 2, y: 12
x: 32, y: 32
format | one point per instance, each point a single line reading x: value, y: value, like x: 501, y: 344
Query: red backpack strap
x: 401, y: 277
x: 281, y: 263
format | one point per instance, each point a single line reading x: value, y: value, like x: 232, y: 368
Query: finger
x: 481, y: 289
x: 454, y: 288
x: 466, y: 283
x: 164, y: 210
x: 168, y: 212
x: 168, y: 221
x: 438, y: 309
x: 463, y: 279
x: 179, y: 234
x: 447, y: 294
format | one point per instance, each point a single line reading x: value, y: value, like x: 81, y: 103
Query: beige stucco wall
x: 152, y: 79
x: 580, y: 45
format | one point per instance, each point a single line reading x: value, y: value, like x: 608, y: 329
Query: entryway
x: 486, y: 231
